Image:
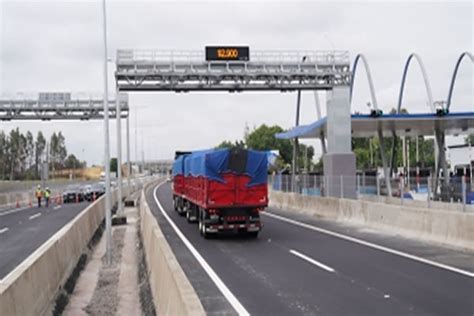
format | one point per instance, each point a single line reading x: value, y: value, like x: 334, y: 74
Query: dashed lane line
x: 312, y: 261
x: 34, y: 216
x: 14, y: 210
x: 372, y: 245
x: 4, y: 230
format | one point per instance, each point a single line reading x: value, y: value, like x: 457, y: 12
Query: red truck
x: 224, y: 190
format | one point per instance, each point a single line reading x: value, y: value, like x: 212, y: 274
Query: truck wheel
x: 202, y: 227
x: 188, y: 216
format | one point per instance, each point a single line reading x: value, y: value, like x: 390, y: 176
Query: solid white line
x: 34, y: 216
x: 239, y: 308
x: 57, y: 207
x: 311, y: 260
x: 14, y: 210
x: 4, y: 230
x: 372, y: 245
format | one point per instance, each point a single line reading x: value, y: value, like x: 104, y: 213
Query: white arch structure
x: 455, y: 74
x: 376, y: 107
x: 429, y: 94
x: 369, y: 78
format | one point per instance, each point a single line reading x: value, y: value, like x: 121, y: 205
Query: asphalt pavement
x: 23, y: 230
x: 300, y: 265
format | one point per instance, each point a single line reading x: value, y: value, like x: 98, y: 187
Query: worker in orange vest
x: 39, y: 195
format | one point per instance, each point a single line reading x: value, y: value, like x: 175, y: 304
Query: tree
x: 61, y: 150
x: 40, y: 146
x: 15, y: 152
x: 71, y: 162
x: 30, y: 151
x: 263, y: 138
x: 4, y: 149
x: 113, y: 165
x: 229, y: 144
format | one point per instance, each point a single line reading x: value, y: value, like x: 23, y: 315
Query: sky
x: 57, y: 46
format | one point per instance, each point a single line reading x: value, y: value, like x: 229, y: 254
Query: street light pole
x: 118, y: 114
x: 108, y: 217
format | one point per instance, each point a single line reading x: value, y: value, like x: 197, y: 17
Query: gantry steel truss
x: 78, y: 109
x: 182, y: 71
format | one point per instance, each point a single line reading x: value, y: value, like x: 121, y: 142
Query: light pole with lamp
x: 108, y: 215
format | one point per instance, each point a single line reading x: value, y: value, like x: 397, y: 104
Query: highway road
x: 305, y: 266
x: 23, y: 230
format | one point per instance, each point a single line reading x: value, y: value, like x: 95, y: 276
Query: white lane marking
x: 239, y: 308
x: 14, y: 210
x: 57, y: 207
x: 311, y: 260
x: 4, y: 230
x: 34, y: 216
x: 386, y: 296
x: 372, y: 245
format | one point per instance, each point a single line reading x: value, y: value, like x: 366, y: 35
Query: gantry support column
x: 129, y: 168
x: 318, y: 112
x: 442, y: 164
x: 386, y: 171
x: 339, y: 162
x: 294, y: 165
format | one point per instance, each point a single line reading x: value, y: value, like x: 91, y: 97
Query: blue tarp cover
x: 178, y: 165
x: 213, y: 162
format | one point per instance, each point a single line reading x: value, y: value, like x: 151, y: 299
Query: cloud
x: 57, y: 46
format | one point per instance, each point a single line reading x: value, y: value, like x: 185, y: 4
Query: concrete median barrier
x: 16, y: 199
x: 451, y: 228
x: 172, y: 292
x: 32, y: 287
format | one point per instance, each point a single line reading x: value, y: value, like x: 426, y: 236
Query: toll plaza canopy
x: 364, y: 125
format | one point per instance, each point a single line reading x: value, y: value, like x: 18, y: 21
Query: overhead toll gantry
x: 59, y: 106
x: 54, y: 106
x: 238, y: 69
x: 182, y: 71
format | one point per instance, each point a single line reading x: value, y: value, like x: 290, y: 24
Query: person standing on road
x: 39, y: 195
x: 47, y: 194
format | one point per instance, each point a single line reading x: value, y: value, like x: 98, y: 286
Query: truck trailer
x: 224, y: 190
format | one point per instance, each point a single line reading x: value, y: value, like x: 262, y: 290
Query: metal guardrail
x: 459, y: 192
x: 265, y: 56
